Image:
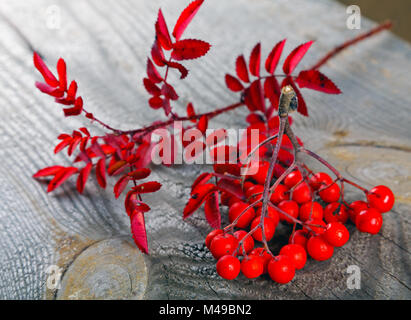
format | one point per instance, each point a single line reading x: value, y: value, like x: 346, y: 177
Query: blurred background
x: 398, y: 11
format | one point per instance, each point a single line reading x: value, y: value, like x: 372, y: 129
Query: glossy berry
x: 228, y: 267
x: 336, y: 234
x: 296, y: 253
x: 355, y: 208
x: 316, y: 225
x: 300, y: 237
x: 225, y: 198
x: 290, y: 207
x: 261, y: 173
x: 236, y: 210
x: 233, y: 200
x: 314, y: 208
x: 269, y: 229
x: 222, y: 245
x: 381, y: 198
x: 302, y: 193
x: 369, y: 220
x: 280, y: 194
x: 248, y: 242
x: 254, y: 193
x: 211, y: 236
x: 320, y: 179
x: 252, y: 266
x: 330, y: 193
x: 335, y: 212
x: 319, y: 249
x: 264, y: 254
x: 272, y: 213
x: 281, y: 269
x: 292, y: 179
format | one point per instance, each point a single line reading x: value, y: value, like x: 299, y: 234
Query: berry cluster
x: 313, y: 203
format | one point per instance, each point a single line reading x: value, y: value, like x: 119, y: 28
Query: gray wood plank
x: 364, y: 132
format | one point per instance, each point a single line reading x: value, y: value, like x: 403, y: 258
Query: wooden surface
x: 365, y: 132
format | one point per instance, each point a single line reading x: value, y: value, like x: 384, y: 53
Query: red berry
x: 269, y: 229
x: 335, y: 212
x: 381, y: 198
x: 299, y: 237
x: 320, y: 179
x: 318, y: 226
x: 272, y: 213
x: 281, y: 269
x: 223, y: 244
x: 211, y: 236
x: 336, y: 234
x: 261, y: 173
x: 225, y: 198
x: 254, y: 193
x: 233, y: 200
x: 355, y: 208
x: 330, y: 193
x: 293, y: 178
x: 280, y: 194
x: 319, y: 249
x: 247, y: 185
x: 314, y: 208
x: 236, y: 210
x: 264, y: 254
x: 228, y: 267
x: 248, y: 242
x: 252, y: 266
x: 302, y: 193
x: 296, y: 253
x: 369, y: 220
x: 290, y: 207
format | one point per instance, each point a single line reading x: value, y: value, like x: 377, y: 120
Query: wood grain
x: 365, y: 132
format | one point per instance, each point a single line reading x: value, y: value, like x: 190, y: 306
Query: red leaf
x: 314, y: 79
x: 233, y: 83
x: 255, y: 59
x: 175, y: 65
x: 169, y: 92
x: 295, y: 57
x: 147, y: 187
x: 152, y: 72
x: 157, y: 54
x: 62, y: 72
x: 51, y: 91
x: 212, y: 211
x: 248, y: 100
x: 191, y: 112
x: 61, y: 177
x: 121, y: 185
x: 185, y: 18
x: 76, y: 110
x: 101, y: 172
x: 72, y: 90
x: 274, y: 56
x: 116, y: 166
x: 155, y: 102
x: 234, y: 189
x: 201, y: 179
x: 189, y: 49
x: 62, y: 145
x: 45, y: 72
x: 138, y: 229
x: 272, y: 91
x: 162, y: 32
x: 241, y: 69
x: 302, y: 107
x: 197, y: 198
x: 230, y: 168
x: 257, y: 97
x: 49, y: 171
x: 138, y: 174
x: 83, y: 176
x: 203, y: 124
x: 151, y: 87
x: 132, y: 204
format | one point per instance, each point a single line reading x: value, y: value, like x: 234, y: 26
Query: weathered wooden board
x: 365, y: 132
